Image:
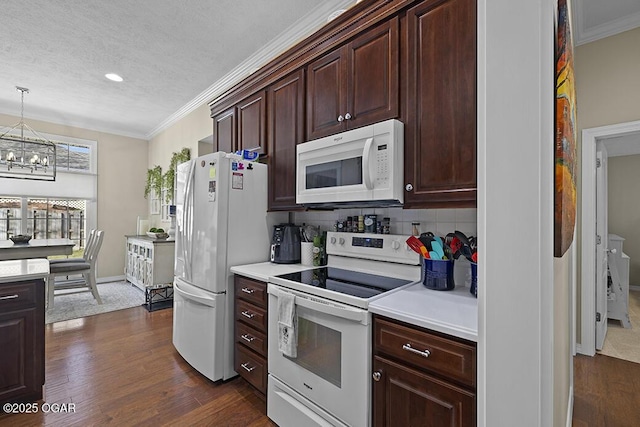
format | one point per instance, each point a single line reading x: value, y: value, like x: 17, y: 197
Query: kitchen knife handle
x: 424, y: 353
x: 248, y: 290
x: 248, y: 314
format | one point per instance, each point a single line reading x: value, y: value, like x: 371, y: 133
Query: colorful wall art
x: 565, y: 136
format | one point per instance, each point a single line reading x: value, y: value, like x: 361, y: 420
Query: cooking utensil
x: 426, y: 240
x: 417, y: 246
x: 437, y: 248
x: 474, y: 257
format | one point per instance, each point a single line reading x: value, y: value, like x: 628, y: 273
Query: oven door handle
x: 325, y: 306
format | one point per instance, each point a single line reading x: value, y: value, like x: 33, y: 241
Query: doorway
x: 618, y: 139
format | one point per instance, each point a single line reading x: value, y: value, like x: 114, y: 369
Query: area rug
x: 114, y: 295
x: 625, y: 343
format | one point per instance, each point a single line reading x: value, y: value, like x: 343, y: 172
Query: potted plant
x: 170, y: 175
x: 154, y: 181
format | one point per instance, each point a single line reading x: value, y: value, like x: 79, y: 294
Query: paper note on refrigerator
x: 212, y: 191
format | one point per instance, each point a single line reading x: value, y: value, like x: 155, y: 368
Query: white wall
x: 515, y: 204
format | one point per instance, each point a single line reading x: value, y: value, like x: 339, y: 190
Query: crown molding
x: 298, y: 31
x: 611, y: 28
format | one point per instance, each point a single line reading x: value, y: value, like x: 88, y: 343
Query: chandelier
x: 23, y: 156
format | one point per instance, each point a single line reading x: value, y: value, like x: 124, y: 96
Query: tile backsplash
x: 438, y: 221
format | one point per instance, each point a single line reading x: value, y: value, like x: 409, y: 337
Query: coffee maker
x: 285, y: 244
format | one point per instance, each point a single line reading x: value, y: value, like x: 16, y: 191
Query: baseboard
x: 634, y: 287
x: 578, y: 349
x: 110, y: 279
x: 570, y: 407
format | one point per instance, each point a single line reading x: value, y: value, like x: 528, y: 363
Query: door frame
x: 590, y: 138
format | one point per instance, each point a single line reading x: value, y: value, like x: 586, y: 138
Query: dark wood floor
x: 121, y: 369
x: 606, y: 392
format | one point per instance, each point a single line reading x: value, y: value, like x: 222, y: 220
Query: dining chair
x: 86, y: 268
x: 87, y: 248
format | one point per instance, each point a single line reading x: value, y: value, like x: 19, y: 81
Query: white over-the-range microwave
x: 358, y: 168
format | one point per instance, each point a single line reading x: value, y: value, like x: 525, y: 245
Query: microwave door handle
x: 366, y: 169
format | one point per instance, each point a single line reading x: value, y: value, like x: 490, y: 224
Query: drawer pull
x: 248, y: 291
x: 247, y: 367
x: 423, y: 353
x: 377, y: 375
x: 247, y: 337
x: 248, y: 314
x: 9, y: 297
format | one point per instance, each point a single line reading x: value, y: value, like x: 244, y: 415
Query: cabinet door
x: 224, y: 131
x: 406, y: 397
x: 286, y: 130
x: 326, y: 95
x: 440, y: 136
x: 374, y: 67
x: 252, y: 124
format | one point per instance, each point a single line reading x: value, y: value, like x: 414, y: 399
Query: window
x: 45, y: 219
x: 73, y: 157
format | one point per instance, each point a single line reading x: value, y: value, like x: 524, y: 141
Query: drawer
x: 251, y: 290
x: 251, y: 315
x: 442, y: 356
x: 252, y: 338
x: 251, y: 367
x: 20, y: 295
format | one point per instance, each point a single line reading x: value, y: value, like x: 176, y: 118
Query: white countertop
x: 451, y: 312
x: 23, y: 269
x: 263, y: 270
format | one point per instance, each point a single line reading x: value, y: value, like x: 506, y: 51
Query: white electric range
x: 328, y: 382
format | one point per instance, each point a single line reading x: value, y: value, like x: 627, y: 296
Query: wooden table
x: 36, y: 248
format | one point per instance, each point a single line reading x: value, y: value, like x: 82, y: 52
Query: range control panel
x: 380, y: 247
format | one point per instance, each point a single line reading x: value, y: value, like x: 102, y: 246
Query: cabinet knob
x: 408, y: 187
x: 340, y: 118
x: 377, y: 375
x: 348, y: 116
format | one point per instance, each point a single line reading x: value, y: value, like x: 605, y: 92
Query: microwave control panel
x: 382, y: 163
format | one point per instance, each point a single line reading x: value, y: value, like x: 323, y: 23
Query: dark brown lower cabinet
x: 251, y: 314
x: 421, y: 377
x: 407, y: 397
x: 21, y: 341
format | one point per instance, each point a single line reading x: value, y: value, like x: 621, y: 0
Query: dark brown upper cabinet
x: 356, y: 84
x: 440, y: 126
x: 224, y: 130
x: 252, y: 120
x: 286, y: 130
x: 242, y: 126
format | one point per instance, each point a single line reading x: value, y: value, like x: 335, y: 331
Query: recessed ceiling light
x: 114, y: 77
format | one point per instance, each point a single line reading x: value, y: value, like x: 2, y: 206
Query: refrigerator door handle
x: 187, y: 216
x: 210, y: 302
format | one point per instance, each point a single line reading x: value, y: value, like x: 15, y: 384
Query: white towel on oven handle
x: 287, y: 334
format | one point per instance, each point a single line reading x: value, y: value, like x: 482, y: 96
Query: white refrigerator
x: 221, y: 221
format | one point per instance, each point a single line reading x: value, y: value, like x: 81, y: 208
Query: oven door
x: 332, y: 366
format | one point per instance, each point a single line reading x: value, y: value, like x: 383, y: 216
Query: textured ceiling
x: 169, y: 53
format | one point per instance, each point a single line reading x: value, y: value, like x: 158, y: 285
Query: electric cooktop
x: 354, y: 283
